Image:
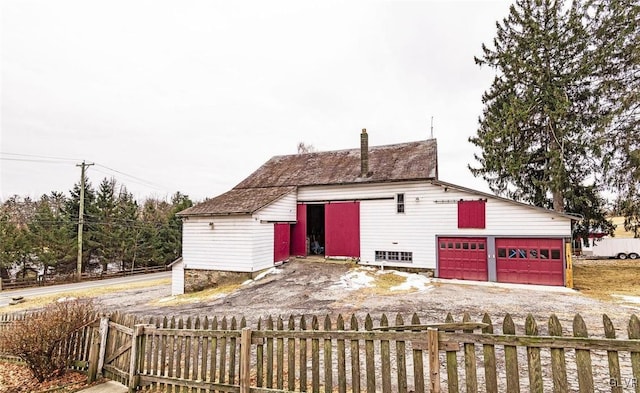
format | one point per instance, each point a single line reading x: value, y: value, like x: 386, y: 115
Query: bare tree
x: 304, y: 148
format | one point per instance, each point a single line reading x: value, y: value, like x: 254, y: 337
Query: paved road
x: 5, y: 296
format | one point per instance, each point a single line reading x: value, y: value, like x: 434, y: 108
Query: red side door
x: 342, y: 229
x: 299, y: 232
x: 281, y: 236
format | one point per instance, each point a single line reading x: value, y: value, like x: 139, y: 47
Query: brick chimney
x: 364, y: 153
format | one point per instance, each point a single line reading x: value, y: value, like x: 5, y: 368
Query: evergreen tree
x: 9, y: 250
x: 71, y: 210
x: 15, y: 239
x: 172, y: 235
x: 548, y: 114
x: 617, y: 35
x: 154, y: 218
x: 49, y: 230
x: 128, y: 230
x: 107, y: 223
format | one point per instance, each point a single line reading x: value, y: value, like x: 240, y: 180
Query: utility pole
x: 83, y: 167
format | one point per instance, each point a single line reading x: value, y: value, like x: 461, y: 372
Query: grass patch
x: 601, y: 279
x: 387, y: 280
x: 32, y: 302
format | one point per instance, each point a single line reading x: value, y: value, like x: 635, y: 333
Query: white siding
x: 283, y: 209
x: 226, y: 246
x: 177, y: 278
x: 263, y: 244
x: 240, y: 244
x: 381, y: 228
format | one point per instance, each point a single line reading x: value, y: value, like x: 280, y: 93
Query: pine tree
x: 52, y: 245
x: 617, y: 35
x: 128, y: 230
x: 71, y: 210
x: 106, y: 235
x: 548, y: 113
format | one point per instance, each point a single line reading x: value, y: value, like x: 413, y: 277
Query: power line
x: 65, y: 160
x: 39, y: 156
x: 134, y: 177
x: 33, y: 160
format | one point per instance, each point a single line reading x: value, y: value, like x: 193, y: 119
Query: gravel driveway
x: 311, y: 288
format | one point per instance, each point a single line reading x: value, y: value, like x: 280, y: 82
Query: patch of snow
x: 629, y: 299
x: 414, y: 281
x: 354, y: 280
x: 67, y: 299
x: 262, y: 275
x: 166, y: 299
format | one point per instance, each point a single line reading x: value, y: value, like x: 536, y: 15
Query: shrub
x: 41, y: 339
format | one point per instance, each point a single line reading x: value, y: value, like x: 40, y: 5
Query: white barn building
x: 380, y: 206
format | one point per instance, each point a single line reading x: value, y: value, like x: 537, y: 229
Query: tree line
x: 561, y: 127
x: 41, y: 235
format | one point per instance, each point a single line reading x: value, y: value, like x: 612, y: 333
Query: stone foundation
x: 196, y: 280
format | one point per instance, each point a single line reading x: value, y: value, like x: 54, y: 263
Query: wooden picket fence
x: 337, y: 355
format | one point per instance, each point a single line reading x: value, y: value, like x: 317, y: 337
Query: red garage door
x: 342, y: 229
x: 530, y: 261
x: 463, y: 258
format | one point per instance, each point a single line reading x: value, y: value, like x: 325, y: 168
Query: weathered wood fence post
x: 245, y: 360
x: 434, y: 360
x: 94, y: 353
x: 104, y: 333
x: 138, y: 332
x: 98, y: 349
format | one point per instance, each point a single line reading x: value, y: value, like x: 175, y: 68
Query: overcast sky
x: 193, y: 96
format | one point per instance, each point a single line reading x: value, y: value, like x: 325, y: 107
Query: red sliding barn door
x: 342, y: 229
x: 299, y: 232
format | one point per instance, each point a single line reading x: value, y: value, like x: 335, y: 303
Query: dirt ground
x: 310, y: 288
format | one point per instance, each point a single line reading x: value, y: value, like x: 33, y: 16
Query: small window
x: 533, y: 254
x: 406, y: 256
x: 443, y: 245
x: 457, y: 246
x: 400, y: 203
x: 502, y: 252
x: 450, y: 245
x: 473, y: 246
x: 481, y: 246
x: 555, y: 254
x: 544, y: 254
x: 465, y: 246
x: 394, y: 256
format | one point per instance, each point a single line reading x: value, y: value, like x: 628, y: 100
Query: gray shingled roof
x: 237, y: 202
x: 404, y: 161
x: 282, y: 174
